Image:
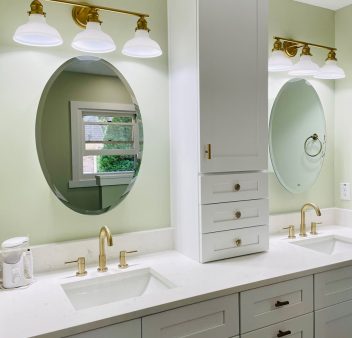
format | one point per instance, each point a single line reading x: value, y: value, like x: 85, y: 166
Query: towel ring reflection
x: 314, y: 138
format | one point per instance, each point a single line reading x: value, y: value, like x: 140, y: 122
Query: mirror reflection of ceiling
x: 329, y: 4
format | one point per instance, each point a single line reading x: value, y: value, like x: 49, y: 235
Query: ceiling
x: 330, y: 4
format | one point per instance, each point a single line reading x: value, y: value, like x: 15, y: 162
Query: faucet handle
x: 291, y: 231
x: 123, y: 264
x: 313, y: 228
x: 81, y: 266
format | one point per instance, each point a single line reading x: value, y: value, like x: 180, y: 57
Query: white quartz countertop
x: 43, y: 309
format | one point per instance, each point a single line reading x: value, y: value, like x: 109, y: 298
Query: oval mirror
x: 89, y: 135
x: 297, y: 135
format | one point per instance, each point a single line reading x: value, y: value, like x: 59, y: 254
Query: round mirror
x: 297, y: 139
x: 89, y: 135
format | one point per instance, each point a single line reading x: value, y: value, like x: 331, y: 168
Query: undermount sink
x: 113, y: 288
x: 330, y: 245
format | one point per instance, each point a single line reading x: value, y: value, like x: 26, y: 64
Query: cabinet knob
x: 237, y: 242
x: 237, y: 187
x: 238, y: 214
x: 283, y: 333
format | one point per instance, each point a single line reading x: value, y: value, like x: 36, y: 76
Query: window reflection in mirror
x: 89, y: 135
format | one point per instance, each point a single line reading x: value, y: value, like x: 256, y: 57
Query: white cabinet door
x: 131, y: 329
x: 332, y: 287
x: 233, y: 85
x: 213, y: 318
x: 334, y: 321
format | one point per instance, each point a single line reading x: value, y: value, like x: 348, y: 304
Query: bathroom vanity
x: 290, y: 288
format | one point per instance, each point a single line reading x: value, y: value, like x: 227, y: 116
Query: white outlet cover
x: 345, y: 191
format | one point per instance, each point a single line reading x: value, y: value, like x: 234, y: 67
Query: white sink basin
x: 330, y: 245
x: 113, y: 288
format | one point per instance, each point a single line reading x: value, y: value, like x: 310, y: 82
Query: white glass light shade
x: 330, y: 71
x: 93, y: 40
x: 304, y: 67
x: 36, y: 32
x: 279, y: 62
x: 142, y: 46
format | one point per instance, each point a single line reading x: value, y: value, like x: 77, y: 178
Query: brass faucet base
x: 81, y: 274
x: 125, y: 266
x: 102, y: 269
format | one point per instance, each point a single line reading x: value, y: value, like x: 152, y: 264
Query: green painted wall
x: 56, y: 129
x: 343, y: 104
x: 292, y: 19
x: 27, y: 204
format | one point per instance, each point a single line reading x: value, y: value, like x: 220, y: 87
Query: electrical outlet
x: 345, y: 191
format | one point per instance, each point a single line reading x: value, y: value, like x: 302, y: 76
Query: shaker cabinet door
x: 334, y: 321
x: 131, y: 329
x: 233, y: 85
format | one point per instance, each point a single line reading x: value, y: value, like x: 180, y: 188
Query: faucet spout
x: 104, y: 234
x: 303, y: 217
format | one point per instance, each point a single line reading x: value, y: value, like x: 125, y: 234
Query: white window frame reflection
x: 79, y: 109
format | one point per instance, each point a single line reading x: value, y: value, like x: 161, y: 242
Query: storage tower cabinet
x: 219, y: 112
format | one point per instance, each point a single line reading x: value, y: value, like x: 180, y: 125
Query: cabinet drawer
x: 260, y: 307
x: 236, y: 215
x: 300, y: 327
x: 332, y: 287
x: 226, y: 244
x: 213, y: 318
x: 334, y: 321
x: 219, y: 188
x: 131, y: 329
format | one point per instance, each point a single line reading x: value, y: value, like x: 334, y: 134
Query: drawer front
x: 299, y: 327
x: 334, y: 321
x: 219, y: 188
x: 236, y: 215
x: 274, y: 303
x: 131, y: 329
x: 227, y: 244
x: 213, y: 318
x: 332, y: 287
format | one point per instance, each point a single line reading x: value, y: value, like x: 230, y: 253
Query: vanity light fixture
x: 331, y: 70
x: 279, y: 61
x: 36, y: 32
x: 305, y: 66
x: 92, y: 40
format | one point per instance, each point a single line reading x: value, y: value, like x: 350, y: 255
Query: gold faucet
x: 104, y: 233
x: 305, y: 207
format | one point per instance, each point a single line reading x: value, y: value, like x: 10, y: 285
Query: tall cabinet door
x: 233, y: 85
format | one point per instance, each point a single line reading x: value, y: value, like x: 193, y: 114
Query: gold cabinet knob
x: 81, y: 261
x: 237, y: 187
x: 238, y: 214
x: 237, y: 242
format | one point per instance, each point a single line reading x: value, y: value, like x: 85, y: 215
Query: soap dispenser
x: 17, y: 266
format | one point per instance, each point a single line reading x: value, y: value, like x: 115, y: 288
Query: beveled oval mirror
x: 89, y: 135
x: 297, y: 135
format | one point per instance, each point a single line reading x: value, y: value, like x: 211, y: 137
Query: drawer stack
x: 278, y: 310
x: 233, y: 215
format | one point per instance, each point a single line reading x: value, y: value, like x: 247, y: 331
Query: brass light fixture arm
x: 115, y: 10
x: 303, y: 43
